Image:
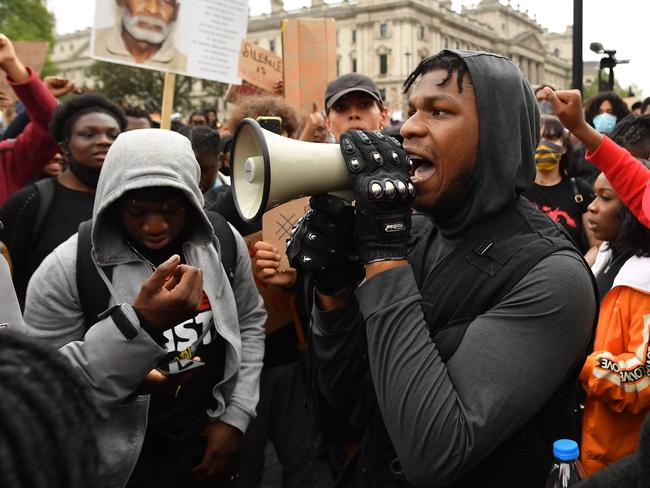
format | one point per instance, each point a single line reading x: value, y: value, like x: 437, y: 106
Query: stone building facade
x: 386, y: 39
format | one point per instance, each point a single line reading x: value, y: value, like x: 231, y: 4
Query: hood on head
x: 508, y: 134
x: 139, y: 159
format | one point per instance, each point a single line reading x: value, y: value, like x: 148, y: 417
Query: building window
x: 338, y: 68
x: 354, y: 65
x: 420, y: 32
x: 383, y: 64
x: 382, y: 92
x: 337, y: 37
x: 383, y: 30
x: 272, y: 45
x: 354, y: 36
x: 446, y: 42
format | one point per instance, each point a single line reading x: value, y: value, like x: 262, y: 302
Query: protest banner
x: 309, y: 57
x: 32, y: 54
x: 259, y: 67
x: 201, y: 38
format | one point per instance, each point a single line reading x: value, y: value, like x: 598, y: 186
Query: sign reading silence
x: 259, y: 67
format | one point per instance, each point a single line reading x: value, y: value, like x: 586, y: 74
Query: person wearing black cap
x: 459, y: 351
x: 353, y: 101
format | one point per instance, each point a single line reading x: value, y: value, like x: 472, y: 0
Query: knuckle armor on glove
x: 379, y: 171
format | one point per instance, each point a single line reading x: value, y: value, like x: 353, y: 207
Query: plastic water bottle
x: 567, y: 470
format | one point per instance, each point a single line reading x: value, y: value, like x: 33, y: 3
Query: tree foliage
x: 28, y: 20
x: 138, y: 86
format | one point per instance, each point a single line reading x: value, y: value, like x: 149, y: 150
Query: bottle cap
x: 566, y: 450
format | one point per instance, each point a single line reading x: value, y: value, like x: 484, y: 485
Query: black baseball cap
x: 352, y: 82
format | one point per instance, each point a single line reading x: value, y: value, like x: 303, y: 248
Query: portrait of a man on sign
x: 143, y: 34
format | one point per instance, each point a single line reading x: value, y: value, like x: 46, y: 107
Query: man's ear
x: 385, y: 118
x: 326, y: 119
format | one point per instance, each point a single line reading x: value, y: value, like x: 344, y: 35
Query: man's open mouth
x: 421, y: 168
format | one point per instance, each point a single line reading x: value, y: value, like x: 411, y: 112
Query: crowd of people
x: 487, y: 293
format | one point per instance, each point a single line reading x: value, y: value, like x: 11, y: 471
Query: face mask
x: 604, y: 123
x: 87, y: 176
x: 547, y: 155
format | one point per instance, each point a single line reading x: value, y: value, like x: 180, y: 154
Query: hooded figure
x: 458, y: 354
x: 148, y: 206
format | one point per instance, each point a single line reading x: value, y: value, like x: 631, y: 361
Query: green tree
x: 129, y: 85
x: 28, y: 20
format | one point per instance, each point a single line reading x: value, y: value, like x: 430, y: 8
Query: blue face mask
x: 604, y: 123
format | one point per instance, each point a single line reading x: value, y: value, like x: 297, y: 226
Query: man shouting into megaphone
x: 462, y: 341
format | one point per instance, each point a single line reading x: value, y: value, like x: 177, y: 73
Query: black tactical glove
x: 321, y: 244
x: 379, y: 170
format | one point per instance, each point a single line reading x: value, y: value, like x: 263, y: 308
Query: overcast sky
x: 620, y: 25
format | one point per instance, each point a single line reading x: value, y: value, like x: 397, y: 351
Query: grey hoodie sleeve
x: 52, y: 307
x: 240, y: 409
x: 110, y: 364
x: 445, y: 418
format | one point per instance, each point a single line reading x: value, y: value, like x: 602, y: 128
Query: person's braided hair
x: 47, y: 418
x: 632, y: 130
x: 446, y: 60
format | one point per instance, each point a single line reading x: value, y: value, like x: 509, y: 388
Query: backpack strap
x: 577, y: 196
x: 45, y: 189
x: 93, y: 294
x: 226, y: 238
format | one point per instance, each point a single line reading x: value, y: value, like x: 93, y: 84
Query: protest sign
x: 236, y: 93
x: 201, y: 38
x: 309, y: 57
x: 32, y: 54
x: 259, y: 66
x: 277, y: 223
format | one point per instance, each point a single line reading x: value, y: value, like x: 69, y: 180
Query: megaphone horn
x: 268, y: 170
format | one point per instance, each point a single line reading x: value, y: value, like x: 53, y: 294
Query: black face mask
x: 87, y: 176
x: 225, y: 170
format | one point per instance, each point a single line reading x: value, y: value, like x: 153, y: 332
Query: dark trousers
x: 161, y: 469
x: 283, y: 419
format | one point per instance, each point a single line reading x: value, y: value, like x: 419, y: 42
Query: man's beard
x: 130, y: 24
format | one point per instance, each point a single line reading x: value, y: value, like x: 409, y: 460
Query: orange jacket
x: 616, y: 376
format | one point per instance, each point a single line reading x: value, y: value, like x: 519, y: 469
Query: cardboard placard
x: 309, y: 56
x: 277, y: 300
x: 32, y: 54
x: 236, y: 93
x: 277, y: 223
x: 259, y: 66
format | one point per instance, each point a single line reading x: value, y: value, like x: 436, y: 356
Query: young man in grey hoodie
x: 148, y: 207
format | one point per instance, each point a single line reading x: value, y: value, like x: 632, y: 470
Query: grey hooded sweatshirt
x: 446, y: 417
x: 140, y: 159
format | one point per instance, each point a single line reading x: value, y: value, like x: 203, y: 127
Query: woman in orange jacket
x: 616, y: 376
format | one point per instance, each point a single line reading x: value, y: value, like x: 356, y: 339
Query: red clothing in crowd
x: 22, y: 158
x: 628, y: 177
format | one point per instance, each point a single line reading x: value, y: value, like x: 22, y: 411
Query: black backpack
x: 93, y: 293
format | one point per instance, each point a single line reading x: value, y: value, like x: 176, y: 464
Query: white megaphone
x: 268, y: 170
